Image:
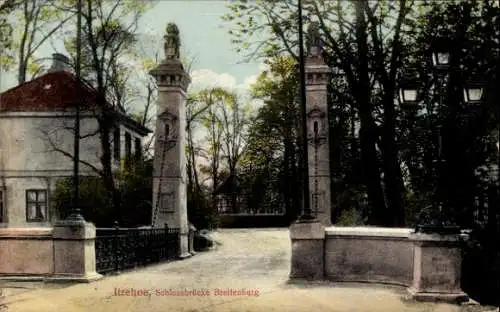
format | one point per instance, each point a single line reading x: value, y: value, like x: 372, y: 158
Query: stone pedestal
x: 307, y: 250
x: 74, y: 252
x: 192, y: 232
x: 436, y: 268
x: 184, y: 244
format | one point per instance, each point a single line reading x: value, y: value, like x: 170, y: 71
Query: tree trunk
x: 288, y: 175
x: 368, y: 129
x: 393, y: 180
x: 105, y: 121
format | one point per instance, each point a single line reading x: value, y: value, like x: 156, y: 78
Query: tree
x: 273, y: 149
x: 40, y: 21
x: 367, y: 50
x: 135, y: 188
x: 6, y: 32
x: 224, y: 120
x: 108, y: 34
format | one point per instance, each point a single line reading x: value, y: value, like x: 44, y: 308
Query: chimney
x: 60, y: 62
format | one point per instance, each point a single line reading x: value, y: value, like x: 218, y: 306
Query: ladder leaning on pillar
x: 158, y: 195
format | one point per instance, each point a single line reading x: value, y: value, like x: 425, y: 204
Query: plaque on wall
x: 317, y: 202
x: 167, y: 202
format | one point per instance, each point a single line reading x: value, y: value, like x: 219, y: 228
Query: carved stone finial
x: 313, y: 39
x: 172, y: 42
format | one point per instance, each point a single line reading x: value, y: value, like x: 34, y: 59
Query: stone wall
x: 65, y: 252
x: 429, y: 265
x: 369, y: 255
x: 256, y: 221
x: 26, y: 251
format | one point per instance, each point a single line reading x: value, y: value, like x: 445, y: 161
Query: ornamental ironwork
x: 119, y: 249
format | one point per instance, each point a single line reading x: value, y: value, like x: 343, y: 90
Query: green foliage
x: 349, y: 217
x: 39, y: 22
x: 269, y: 166
x: 95, y: 201
x: 396, y: 35
x: 481, y: 266
x: 200, y: 212
x: 7, y: 59
x: 377, y: 148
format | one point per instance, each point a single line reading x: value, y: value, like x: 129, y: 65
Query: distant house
x: 230, y: 197
x: 237, y: 207
x: 36, y: 138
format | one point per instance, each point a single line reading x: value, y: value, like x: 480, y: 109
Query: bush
x: 135, y: 188
x: 481, y: 267
x: 200, y: 211
x: 349, y: 217
x: 202, y: 242
x: 93, y: 200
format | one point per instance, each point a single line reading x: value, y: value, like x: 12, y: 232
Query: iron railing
x: 126, y: 248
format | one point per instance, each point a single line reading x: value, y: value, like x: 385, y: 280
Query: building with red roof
x: 36, y: 143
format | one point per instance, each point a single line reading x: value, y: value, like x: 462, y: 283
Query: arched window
x: 316, y: 128
x: 167, y: 130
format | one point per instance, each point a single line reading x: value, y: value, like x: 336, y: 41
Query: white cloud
x: 207, y: 78
x: 249, y: 81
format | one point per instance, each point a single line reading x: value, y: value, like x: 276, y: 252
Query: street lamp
x: 306, y: 215
x: 473, y: 91
x: 440, y: 51
x: 441, y: 59
x: 409, y: 90
x: 75, y: 213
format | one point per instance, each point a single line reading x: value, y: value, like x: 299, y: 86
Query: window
x: 116, y: 143
x: 167, y: 131
x: 138, y: 148
x: 1, y: 208
x: 36, y: 205
x: 128, y: 145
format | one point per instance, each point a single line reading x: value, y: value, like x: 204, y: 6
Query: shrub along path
x: 254, y: 262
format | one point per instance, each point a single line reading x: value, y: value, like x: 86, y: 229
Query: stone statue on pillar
x: 172, y: 42
x: 169, y: 166
x: 317, y: 80
x: 313, y: 42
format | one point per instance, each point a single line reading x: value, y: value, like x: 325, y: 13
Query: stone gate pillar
x: 317, y: 80
x: 169, y: 175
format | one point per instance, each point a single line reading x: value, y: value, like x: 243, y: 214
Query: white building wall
x: 28, y: 159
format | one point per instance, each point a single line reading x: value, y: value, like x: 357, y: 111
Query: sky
x: 205, y: 40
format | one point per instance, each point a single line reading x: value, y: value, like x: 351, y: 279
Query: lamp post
x: 75, y: 213
x: 473, y: 93
x: 306, y: 212
x: 409, y: 99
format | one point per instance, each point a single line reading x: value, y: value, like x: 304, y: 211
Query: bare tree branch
x: 54, y: 147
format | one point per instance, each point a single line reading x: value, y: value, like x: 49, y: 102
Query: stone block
x: 26, y: 251
x: 307, y: 230
x: 74, y: 252
x: 369, y: 255
x: 192, y: 232
x: 307, y: 250
x: 437, y: 268
x: 184, y: 245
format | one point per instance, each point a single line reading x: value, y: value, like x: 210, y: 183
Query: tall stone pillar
x: 317, y: 80
x: 169, y: 175
x: 308, y: 236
